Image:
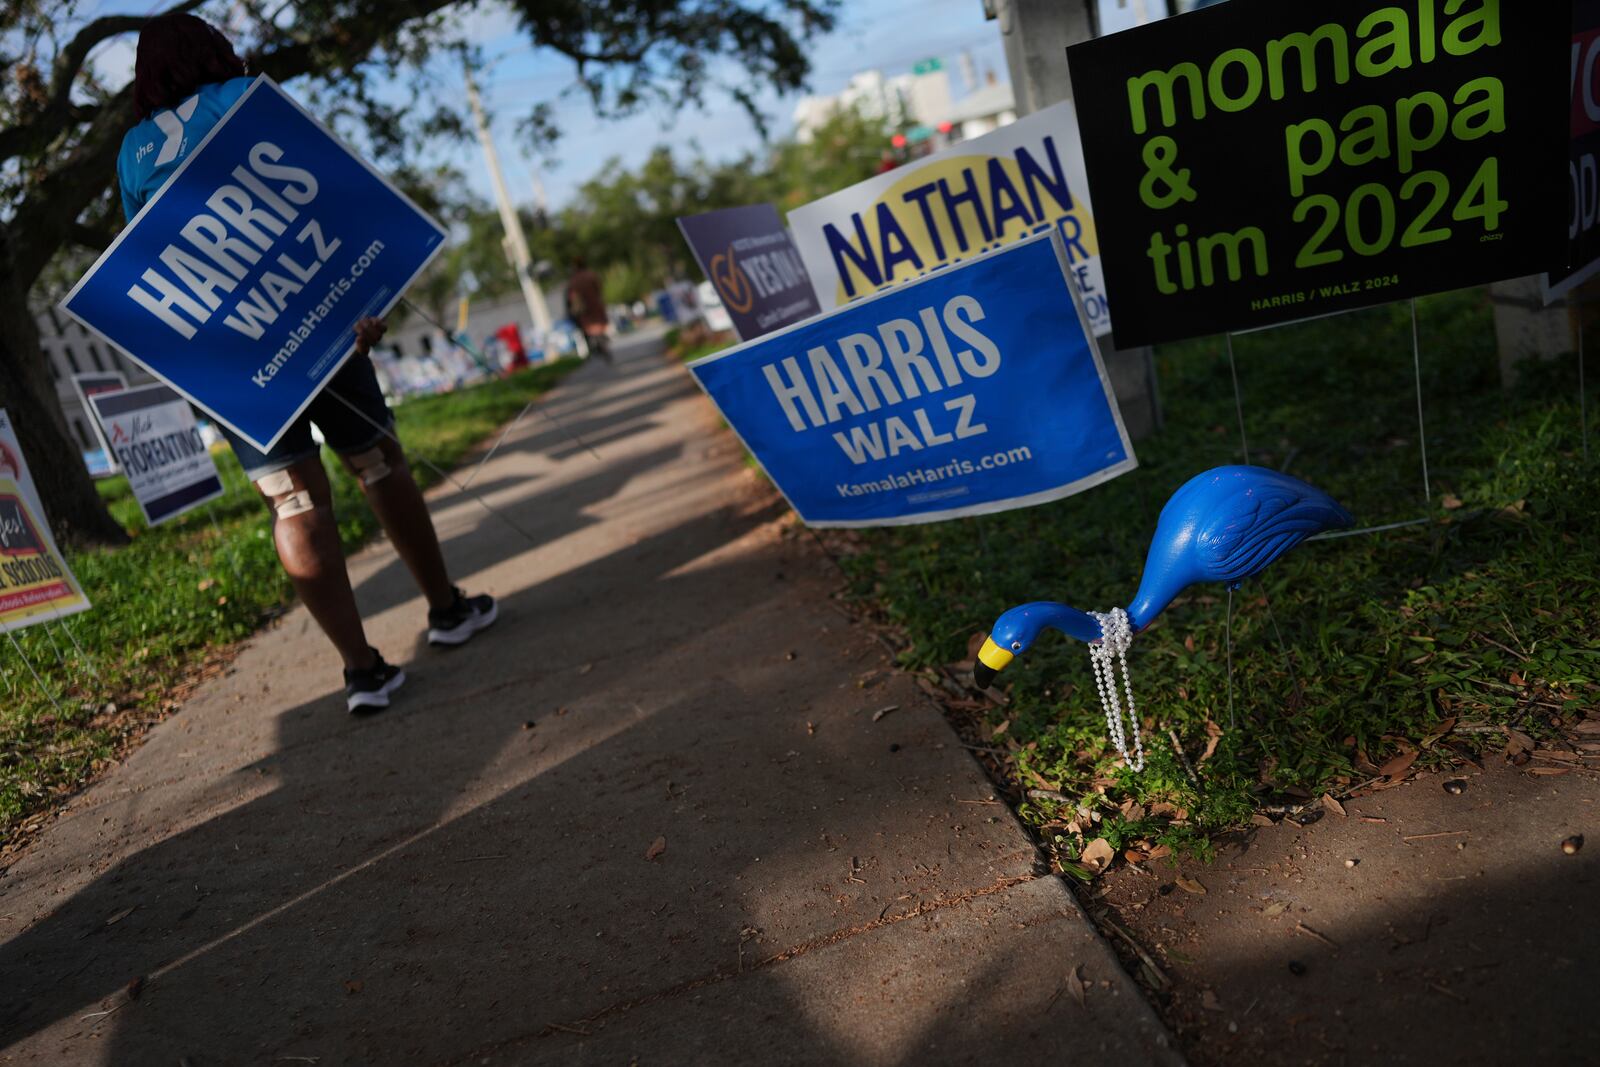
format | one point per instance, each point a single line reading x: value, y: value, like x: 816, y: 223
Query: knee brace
x: 287, y: 501
x: 370, y: 466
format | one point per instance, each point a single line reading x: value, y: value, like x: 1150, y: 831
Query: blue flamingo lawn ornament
x: 1224, y: 525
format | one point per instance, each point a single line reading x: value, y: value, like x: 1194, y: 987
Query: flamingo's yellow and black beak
x: 991, y: 661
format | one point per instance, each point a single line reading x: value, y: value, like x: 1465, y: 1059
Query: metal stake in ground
x: 28, y: 664
x: 48, y: 636
x: 1422, y: 426
x: 1583, y: 397
x: 1283, y: 649
x: 1238, y: 400
x: 81, y: 653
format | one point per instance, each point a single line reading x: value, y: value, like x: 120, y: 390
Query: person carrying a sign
x: 186, y: 77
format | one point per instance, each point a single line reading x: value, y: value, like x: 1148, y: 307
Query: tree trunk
x: 27, y: 393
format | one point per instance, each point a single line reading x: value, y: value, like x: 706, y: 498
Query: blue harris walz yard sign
x: 240, y: 282
x: 973, y: 390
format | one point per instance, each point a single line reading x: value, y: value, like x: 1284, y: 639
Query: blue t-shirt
x: 156, y: 147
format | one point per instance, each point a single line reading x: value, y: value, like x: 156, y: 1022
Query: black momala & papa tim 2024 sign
x: 1263, y: 161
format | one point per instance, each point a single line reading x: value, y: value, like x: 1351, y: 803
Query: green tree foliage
x: 374, y: 68
x: 624, y: 222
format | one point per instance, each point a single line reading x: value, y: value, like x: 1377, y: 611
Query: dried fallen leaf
x: 1277, y: 907
x: 1097, y: 854
x: 1444, y: 727
x: 1451, y: 502
x: 657, y: 847
x: 206, y: 583
x: 1209, y: 1001
x: 353, y: 986
x: 1213, y: 736
x: 1159, y: 852
x: 1190, y: 885
x: 1333, y: 805
x: 1002, y: 728
x: 1075, y: 986
x: 1396, y: 766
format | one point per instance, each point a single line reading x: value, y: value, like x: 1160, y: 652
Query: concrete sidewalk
x: 647, y: 818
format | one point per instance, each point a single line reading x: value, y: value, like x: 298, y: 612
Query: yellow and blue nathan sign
x: 1020, y: 181
x: 240, y: 282
x: 976, y: 389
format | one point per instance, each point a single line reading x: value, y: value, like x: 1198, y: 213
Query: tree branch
x: 46, y: 217
x: 95, y: 238
x: 59, y: 112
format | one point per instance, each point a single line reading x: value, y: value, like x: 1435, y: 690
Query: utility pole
x: 516, y: 241
x: 1036, y: 34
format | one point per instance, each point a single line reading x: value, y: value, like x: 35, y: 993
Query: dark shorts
x: 346, y: 432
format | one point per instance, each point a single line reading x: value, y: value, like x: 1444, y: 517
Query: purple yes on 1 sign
x: 749, y: 257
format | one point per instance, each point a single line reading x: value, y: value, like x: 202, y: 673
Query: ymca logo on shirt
x: 170, y: 123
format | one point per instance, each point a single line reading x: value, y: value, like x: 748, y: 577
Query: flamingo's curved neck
x: 1144, y: 609
x: 1068, y: 620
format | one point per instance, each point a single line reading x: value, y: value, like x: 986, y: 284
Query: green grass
x: 181, y: 592
x: 1487, y: 614
x: 686, y: 352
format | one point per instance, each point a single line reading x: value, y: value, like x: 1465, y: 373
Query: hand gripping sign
x: 974, y: 390
x: 240, y: 283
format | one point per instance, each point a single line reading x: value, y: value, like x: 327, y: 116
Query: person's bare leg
x: 307, y: 537
x: 385, y: 477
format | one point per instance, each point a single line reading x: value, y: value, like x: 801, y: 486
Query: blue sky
x: 890, y: 35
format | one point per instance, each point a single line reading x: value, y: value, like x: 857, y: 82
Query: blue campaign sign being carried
x: 973, y: 390
x: 241, y: 281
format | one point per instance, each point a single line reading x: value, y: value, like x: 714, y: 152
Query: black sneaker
x: 369, y: 689
x: 456, y: 624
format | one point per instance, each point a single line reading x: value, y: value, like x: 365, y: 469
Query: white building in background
x: 982, y: 111
x: 921, y: 100
x: 903, y: 100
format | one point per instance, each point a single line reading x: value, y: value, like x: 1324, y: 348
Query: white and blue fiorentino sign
x: 152, y: 432
x: 241, y: 281
x: 975, y: 389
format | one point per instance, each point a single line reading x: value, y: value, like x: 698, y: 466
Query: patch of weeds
x: 1347, y: 652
